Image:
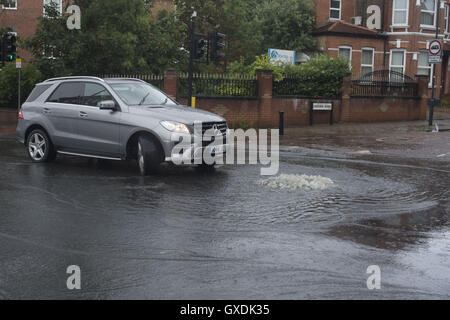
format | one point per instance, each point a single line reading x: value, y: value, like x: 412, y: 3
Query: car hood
x: 178, y: 113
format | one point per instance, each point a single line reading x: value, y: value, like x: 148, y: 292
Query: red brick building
x: 385, y: 34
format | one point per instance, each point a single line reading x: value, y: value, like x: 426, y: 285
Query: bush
x: 9, y: 77
x: 321, y: 76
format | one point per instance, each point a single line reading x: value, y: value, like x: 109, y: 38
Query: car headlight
x: 175, y: 127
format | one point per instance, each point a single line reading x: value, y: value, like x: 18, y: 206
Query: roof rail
x: 75, y: 78
x: 127, y: 79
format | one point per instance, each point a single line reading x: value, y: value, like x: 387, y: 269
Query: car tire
x: 39, y: 146
x: 148, y: 156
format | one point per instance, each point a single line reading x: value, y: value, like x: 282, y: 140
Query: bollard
x: 281, y: 123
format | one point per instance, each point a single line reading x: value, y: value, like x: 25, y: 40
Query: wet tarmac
x: 187, y: 234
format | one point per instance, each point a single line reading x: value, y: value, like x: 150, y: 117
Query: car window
x: 68, y: 92
x: 95, y: 93
x: 38, y: 91
x: 141, y: 94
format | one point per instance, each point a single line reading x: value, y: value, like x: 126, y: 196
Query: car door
x: 97, y: 130
x: 61, y: 111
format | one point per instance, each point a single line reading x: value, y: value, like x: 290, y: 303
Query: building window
x: 397, y: 64
x: 367, y: 57
x: 57, y: 2
x: 9, y: 4
x: 400, y: 13
x: 428, y: 16
x: 345, y: 53
x: 424, y: 68
x: 446, y: 18
x: 335, y: 10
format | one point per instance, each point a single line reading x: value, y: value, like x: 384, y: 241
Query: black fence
x: 287, y: 87
x: 155, y: 80
x: 385, y: 83
x: 218, y: 85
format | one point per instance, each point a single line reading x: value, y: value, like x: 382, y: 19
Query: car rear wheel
x: 40, y: 148
x: 148, y: 156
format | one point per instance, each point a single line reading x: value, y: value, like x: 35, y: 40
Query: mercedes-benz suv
x: 115, y: 119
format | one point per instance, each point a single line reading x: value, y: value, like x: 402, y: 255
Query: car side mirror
x: 107, y: 105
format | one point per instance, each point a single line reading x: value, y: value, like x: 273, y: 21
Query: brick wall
x: 263, y: 111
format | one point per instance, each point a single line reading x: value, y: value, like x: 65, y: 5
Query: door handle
x: 83, y: 114
x: 47, y: 111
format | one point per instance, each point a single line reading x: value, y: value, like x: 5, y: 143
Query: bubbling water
x: 295, y: 182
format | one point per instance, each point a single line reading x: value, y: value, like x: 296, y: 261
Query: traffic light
x: 217, y: 45
x: 200, y: 46
x: 8, y: 48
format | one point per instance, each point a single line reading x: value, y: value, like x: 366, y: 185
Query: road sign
x: 322, y: 106
x: 19, y: 63
x: 435, y: 51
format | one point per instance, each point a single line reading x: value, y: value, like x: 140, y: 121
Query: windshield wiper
x: 143, y: 99
x: 165, y: 101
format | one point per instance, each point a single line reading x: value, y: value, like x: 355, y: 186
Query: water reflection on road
x: 191, y: 234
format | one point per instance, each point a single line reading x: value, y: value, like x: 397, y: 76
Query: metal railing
x: 218, y: 85
x: 287, y: 87
x: 384, y: 89
x: 385, y: 83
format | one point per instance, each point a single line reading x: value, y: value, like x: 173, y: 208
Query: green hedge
x: 321, y: 76
x: 9, y: 77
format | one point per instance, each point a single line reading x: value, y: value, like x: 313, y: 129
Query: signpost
x: 19, y: 67
x: 434, y: 57
x: 321, y: 106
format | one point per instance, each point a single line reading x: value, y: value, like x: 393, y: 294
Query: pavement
x: 231, y: 233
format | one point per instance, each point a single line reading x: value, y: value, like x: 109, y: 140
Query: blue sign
x: 282, y: 56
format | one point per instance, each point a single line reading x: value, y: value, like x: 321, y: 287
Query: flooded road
x: 231, y: 234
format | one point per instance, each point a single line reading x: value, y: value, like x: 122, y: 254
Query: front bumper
x: 195, y: 154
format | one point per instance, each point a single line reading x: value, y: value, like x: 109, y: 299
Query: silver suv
x: 115, y: 119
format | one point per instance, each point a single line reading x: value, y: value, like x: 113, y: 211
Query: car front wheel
x: 148, y: 156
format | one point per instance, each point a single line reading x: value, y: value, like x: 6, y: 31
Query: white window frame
x: 436, y: 11
x: 402, y: 10
x: 351, y: 54
x: 60, y: 6
x: 430, y: 67
x: 446, y: 17
x: 373, y: 59
x: 10, y: 8
x: 397, y: 66
x: 334, y: 9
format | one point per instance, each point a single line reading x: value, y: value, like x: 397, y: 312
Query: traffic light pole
x: 19, y: 90
x: 191, y: 62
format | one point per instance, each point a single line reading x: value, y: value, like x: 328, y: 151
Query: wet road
x: 185, y: 234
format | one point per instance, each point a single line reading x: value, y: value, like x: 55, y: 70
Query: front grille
x: 221, y: 126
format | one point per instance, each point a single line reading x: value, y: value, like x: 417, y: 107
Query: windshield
x: 135, y: 94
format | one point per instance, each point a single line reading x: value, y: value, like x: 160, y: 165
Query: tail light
x: 20, y: 116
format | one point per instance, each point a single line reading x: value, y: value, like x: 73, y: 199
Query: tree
x: 116, y: 36
x: 287, y: 24
x: 235, y: 18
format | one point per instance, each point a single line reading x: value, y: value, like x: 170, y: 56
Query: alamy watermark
x: 74, y: 19
x: 74, y: 280
x: 217, y: 145
x: 374, y: 280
